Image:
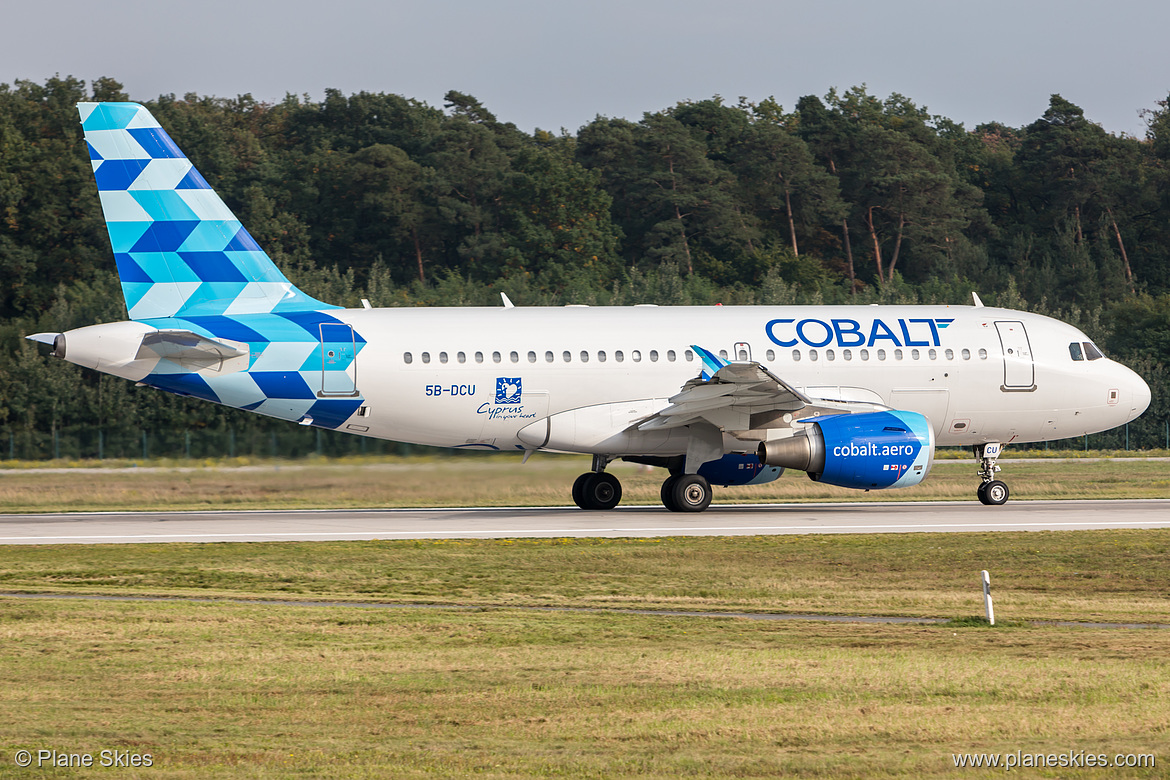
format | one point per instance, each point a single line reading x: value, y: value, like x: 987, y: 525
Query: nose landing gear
x: 992, y: 492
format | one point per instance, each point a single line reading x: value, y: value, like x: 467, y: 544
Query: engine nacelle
x: 736, y: 469
x: 869, y: 451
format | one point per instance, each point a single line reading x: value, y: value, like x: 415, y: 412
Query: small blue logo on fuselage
x: 508, y: 390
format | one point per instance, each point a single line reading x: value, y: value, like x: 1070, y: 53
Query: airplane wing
x: 742, y: 396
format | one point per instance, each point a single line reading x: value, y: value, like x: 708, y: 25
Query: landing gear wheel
x: 690, y: 493
x: 993, y: 493
x: 579, y: 489
x: 600, y: 491
x: 667, y: 494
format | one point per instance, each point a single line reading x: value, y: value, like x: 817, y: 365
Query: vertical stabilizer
x: 180, y: 251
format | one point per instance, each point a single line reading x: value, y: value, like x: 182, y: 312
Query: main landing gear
x: 680, y: 492
x: 596, y: 489
x: 686, y: 493
x: 992, y: 491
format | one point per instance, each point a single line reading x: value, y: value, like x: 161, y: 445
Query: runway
x: 494, y: 523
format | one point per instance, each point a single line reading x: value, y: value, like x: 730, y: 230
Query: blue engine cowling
x: 735, y: 469
x: 870, y: 451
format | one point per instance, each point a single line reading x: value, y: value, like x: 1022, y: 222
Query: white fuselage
x: 431, y: 376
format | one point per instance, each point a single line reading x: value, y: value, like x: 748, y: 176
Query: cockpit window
x: 1091, y: 351
x: 1074, y: 349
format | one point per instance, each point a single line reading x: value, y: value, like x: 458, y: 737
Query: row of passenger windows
x: 671, y: 356
x: 880, y: 354
x: 550, y: 357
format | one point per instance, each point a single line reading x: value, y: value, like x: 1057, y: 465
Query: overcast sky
x: 553, y: 65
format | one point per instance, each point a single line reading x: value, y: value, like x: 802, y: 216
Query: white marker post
x: 987, y: 597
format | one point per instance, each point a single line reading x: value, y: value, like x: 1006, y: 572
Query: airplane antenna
x: 978, y: 303
x: 507, y: 303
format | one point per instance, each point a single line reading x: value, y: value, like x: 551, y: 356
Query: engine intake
x: 873, y: 450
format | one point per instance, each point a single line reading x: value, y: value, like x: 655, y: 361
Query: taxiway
x: 504, y: 522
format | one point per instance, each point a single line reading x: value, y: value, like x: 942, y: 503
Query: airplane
x: 855, y: 396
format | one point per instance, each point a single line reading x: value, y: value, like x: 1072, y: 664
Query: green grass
x: 492, y: 690
x: 503, y: 481
x: 1114, y: 576
x: 252, y: 691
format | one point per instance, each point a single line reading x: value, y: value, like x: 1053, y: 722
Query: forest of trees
x: 846, y: 198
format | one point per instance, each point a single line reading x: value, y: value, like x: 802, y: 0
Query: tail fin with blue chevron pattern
x: 180, y: 251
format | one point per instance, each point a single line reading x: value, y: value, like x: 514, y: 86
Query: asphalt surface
x: 481, y: 523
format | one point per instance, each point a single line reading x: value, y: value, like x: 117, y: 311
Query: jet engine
x: 868, y: 451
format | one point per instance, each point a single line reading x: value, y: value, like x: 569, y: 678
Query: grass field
x: 501, y: 481
x: 248, y: 691
x: 488, y: 687
x: 234, y: 689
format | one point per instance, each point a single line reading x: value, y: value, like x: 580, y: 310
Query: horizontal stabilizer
x: 43, y: 338
x: 194, y: 352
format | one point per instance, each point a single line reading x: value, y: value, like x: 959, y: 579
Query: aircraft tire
x: 691, y: 493
x: 601, y: 491
x: 994, y: 493
x: 667, y: 494
x: 579, y: 489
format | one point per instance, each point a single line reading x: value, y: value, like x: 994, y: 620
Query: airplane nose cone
x: 1141, y: 397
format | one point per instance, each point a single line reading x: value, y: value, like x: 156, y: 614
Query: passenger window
x: 653, y: 356
x: 688, y: 356
x: 847, y: 354
x: 515, y: 356
x: 407, y: 358
x: 933, y: 354
x: 549, y: 357
x: 601, y: 356
x: 796, y: 355
x: 478, y: 357
x: 723, y: 354
x: 830, y: 355
x: 1074, y: 349
x: 865, y: 354
x: 636, y: 355
x: 771, y: 355
x: 950, y: 353
x: 670, y: 355
x: 881, y: 354
x: 584, y: 356
x: 897, y: 354
x: 531, y: 356
x: 915, y: 354
x: 442, y: 357
x: 496, y: 358
x: 812, y: 354
x: 426, y: 357
x: 743, y: 354
x: 461, y: 357
x: 966, y: 354
x: 983, y: 354
x: 567, y: 356
x: 619, y: 356
x: 1091, y: 351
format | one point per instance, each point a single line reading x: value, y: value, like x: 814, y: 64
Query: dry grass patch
x: 282, y: 691
x: 502, y: 481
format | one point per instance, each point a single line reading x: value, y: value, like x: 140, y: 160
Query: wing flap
x: 733, y: 394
